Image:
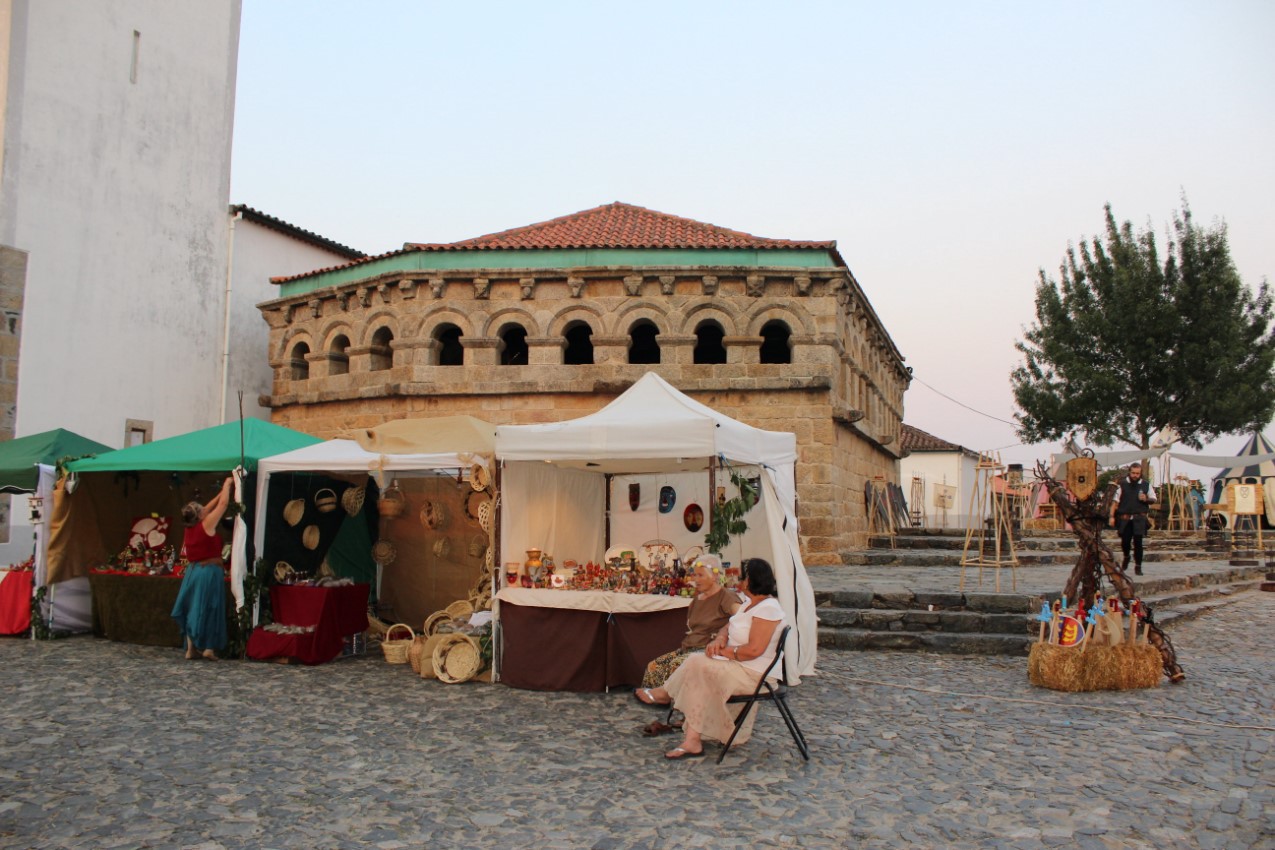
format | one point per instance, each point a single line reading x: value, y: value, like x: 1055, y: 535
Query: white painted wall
x: 259, y: 253
x: 117, y: 190
x: 941, y: 468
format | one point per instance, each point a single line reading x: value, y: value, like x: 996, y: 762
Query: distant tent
x: 18, y: 458
x: 1261, y: 473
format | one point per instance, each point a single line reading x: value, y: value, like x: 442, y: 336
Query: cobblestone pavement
x: 112, y: 746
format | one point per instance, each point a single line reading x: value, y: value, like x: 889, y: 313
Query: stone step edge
x: 970, y: 643
x: 1153, y: 592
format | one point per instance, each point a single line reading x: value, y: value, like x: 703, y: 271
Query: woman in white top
x: 731, y: 664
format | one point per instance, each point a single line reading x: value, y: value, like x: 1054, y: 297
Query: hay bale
x: 1098, y: 668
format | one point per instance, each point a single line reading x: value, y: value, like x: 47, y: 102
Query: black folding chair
x: 765, y: 691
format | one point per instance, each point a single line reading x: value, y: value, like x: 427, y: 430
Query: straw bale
x: 1097, y: 668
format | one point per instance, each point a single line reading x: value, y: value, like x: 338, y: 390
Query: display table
x: 570, y: 640
x: 139, y: 609
x: 335, y: 613
x: 15, y: 601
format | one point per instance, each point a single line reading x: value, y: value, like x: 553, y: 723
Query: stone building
x: 553, y: 320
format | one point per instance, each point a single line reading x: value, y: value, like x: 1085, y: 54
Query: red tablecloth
x: 335, y: 612
x: 15, y: 601
x: 559, y: 649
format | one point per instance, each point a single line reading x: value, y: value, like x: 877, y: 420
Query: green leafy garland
x: 728, y: 517
x: 254, y: 590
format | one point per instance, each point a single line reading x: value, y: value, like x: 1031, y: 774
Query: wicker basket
x: 459, y: 609
x: 457, y: 658
x: 479, y: 477
x: 432, y: 514
x: 433, y: 621
x: 396, y: 649
x: 392, y: 503
x: 414, y: 652
x: 352, y: 500
x: 384, y: 552
x: 310, y: 537
x: 293, y: 511
x: 325, y: 501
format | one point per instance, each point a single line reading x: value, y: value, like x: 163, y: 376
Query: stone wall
x: 356, y: 355
x: 13, y: 282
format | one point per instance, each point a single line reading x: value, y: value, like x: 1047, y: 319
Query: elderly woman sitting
x: 731, y: 664
x: 709, y: 611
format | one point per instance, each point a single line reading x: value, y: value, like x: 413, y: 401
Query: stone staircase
x: 944, y: 547
x: 986, y: 623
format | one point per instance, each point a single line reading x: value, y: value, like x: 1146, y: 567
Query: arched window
x: 708, y: 343
x: 513, y: 345
x: 338, y: 360
x: 382, y: 353
x: 300, y: 366
x: 579, y: 350
x: 643, y: 345
x: 450, y: 351
x: 775, y: 342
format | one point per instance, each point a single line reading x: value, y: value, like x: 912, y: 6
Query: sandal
x: 644, y: 695
x: 680, y: 753
x: 656, y: 727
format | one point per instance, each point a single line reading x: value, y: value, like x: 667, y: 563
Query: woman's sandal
x: 644, y: 695
x: 680, y: 753
x: 656, y: 727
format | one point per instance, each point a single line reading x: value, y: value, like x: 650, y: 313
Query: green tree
x: 1126, y: 345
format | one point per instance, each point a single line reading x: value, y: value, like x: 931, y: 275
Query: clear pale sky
x: 951, y: 149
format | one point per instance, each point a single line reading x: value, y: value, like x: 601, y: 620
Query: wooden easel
x: 989, y: 516
x: 916, y: 502
x: 1247, y: 504
x: 1180, y: 516
x: 944, y: 500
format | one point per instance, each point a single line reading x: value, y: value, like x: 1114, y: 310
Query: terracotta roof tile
x: 616, y: 225
x: 620, y: 225
x: 916, y: 440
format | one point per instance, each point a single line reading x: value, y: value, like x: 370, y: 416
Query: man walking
x: 1129, y: 514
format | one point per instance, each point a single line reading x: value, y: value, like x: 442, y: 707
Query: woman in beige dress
x: 731, y: 664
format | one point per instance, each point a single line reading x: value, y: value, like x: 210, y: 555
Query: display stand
x: 944, y: 500
x: 1180, y: 516
x: 1246, y: 504
x: 989, y: 535
x: 881, y: 520
x: 916, y: 502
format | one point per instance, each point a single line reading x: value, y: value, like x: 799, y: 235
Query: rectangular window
x: 137, y: 432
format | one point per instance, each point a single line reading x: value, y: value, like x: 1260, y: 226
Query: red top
x: 199, y: 545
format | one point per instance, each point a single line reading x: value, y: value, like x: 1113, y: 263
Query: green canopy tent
x: 27, y: 465
x: 20, y: 457
x: 103, y: 496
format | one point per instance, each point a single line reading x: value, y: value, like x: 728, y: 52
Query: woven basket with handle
x: 396, y: 650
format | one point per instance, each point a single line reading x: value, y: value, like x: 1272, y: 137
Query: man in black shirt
x: 1129, y: 514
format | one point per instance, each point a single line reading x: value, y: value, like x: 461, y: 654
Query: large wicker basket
x: 396, y: 650
x: 457, y: 658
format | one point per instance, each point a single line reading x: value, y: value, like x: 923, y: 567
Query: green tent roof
x: 213, y: 449
x: 19, y: 457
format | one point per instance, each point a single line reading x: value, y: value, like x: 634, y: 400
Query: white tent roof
x: 347, y: 455
x: 652, y: 420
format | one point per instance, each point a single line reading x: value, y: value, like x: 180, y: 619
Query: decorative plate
x: 693, y: 517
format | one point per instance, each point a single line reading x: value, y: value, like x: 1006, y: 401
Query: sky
x: 952, y: 150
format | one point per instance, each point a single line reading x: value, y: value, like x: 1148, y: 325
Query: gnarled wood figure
x: 1086, y: 510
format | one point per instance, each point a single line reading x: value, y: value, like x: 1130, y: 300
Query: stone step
x: 991, y: 623
x: 952, y: 557
x: 1046, y: 544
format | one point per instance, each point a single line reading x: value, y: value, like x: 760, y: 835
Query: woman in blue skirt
x: 200, y: 609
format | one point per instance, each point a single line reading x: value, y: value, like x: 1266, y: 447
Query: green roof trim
x: 214, y: 449
x: 565, y: 258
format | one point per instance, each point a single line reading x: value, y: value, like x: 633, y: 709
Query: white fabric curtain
x: 559, y: 511
x: 1223, y: 461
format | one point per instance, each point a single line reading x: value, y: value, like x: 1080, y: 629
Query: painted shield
x: 1070, y: 631
x: 635, y: 496
x: 668, y: 498
x: 1082, y: 477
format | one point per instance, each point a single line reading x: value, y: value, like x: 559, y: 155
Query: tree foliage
x: 1126, y: 344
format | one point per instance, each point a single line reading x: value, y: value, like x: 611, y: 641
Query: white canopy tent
x: 559, y: 479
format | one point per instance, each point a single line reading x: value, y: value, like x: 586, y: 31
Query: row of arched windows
x: 644, y: 346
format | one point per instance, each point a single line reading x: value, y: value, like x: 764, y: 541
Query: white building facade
x: 939, y: 465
